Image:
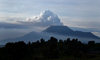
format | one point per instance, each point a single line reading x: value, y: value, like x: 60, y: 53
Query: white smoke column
x: 46, y: 18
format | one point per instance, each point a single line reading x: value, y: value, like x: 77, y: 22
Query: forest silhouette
x: 52, y: 49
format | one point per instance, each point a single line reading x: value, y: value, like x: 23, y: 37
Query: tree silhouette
x: 50, y: 49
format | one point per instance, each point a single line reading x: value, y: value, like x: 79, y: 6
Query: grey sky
x: 78, y: 13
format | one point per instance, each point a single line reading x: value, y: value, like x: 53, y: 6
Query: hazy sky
x: 74, y: 13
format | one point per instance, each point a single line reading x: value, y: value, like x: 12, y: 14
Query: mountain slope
x: 32, y: 36
x: 64, y: 30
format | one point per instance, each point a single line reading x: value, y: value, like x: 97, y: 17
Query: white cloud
x: 46, y: 18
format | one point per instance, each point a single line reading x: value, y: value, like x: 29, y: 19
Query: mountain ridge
x: 60, y: 32
x: 64, y: 30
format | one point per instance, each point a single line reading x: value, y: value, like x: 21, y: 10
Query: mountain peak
x: 58, y: 29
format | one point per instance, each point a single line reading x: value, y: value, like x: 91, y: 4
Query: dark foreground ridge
x: 52, y: 49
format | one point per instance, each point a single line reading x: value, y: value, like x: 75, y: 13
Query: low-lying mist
x: 7, y: 33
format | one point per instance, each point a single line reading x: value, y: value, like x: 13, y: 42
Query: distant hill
x: 66, y: 31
